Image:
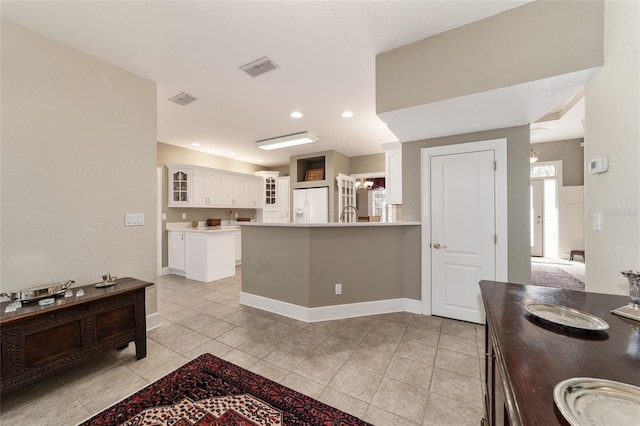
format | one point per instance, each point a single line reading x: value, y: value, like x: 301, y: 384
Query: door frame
x: 499, y: 146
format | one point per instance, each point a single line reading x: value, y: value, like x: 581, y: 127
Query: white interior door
x: 537, y: 213
x: 463, y: 249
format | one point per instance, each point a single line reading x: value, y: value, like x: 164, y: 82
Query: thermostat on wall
x: 598, y: 165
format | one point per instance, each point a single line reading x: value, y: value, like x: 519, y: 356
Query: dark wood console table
x: 37, y: 341
x: 527, y: 357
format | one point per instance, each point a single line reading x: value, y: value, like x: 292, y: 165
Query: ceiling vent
x: 259, y: 66
x: 183, y: 99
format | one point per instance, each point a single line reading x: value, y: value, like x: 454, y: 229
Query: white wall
x: 612, y: 130
x: 571, y: 219
x: 78, y: 152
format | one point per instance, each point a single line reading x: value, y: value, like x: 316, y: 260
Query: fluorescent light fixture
x: 296, y: 114
x: 347, y: 114
x: 287, y: 141
x: 195, y: 144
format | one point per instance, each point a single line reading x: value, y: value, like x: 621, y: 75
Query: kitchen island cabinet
x: 526, y: 357
x: 204, y: 253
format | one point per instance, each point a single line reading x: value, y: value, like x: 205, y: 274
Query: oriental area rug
x: 212, y: 391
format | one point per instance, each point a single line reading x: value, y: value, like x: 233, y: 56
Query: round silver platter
x: 598, y: 402
x: 569, y: 317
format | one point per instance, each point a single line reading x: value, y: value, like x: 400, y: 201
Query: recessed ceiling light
x: 195, y: 144
x: 347, y: 114
x: 382, y: 125
x: 233, y: 153
x: 296, y: 114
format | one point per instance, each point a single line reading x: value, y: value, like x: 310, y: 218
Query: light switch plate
x: 597, y: 221
x: 134, y: 219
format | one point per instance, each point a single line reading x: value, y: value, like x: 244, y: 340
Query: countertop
x: 331, y: 224
x: 186, y: 227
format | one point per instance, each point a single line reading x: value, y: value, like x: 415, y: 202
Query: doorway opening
x: 556, y: 218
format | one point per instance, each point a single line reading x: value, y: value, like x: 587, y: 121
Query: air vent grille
x: 183, y: 99
x: 259, y: 67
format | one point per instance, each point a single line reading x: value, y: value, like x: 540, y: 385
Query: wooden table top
x: 539, y: 355
x: 91, y: 293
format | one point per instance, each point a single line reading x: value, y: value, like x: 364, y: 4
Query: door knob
x: 438, y: 245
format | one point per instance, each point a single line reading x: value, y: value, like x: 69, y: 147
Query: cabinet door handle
x: 182, y: 237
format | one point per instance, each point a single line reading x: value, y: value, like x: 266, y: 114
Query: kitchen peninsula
x: 320, y: 271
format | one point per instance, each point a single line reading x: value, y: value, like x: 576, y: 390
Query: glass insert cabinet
x: 180, y: 186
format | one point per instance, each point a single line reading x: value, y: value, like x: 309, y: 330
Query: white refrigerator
x: 311, y: 205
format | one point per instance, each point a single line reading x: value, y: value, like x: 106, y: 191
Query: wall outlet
x: 184, y: 215
x: 338, y: 288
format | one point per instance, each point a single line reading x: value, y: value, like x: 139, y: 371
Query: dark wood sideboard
x: 37, y: 341
x: 527, y: 357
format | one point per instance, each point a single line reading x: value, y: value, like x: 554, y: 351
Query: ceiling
x: 325, y: 52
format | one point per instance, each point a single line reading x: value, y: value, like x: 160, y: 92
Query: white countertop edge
x: 332, y: 224
x: 202, y: 227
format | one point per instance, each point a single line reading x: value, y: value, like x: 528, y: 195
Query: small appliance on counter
x: 213, y: 222
x: 244, y: 219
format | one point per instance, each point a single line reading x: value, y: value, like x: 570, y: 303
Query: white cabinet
x: 194, y: 186
x: 206, y: 189
x: 226, y: 190
x: 209, y: 256
x: 284, y: 199
x: 393, y: 169
x: 275, y: 196
x: 252, y: 192
x: 179, y: 186
x: 238, y: 245
x: 176, y: 247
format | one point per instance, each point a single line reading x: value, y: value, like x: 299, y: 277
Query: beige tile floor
x: 392, y: 369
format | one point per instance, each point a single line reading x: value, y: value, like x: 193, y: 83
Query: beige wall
x: 571, y: 154
x: 518, y: 189
x: 528, y: 43
x: 367, y: 163
x: 302, y: 265
x: 78, y: 152
x: 612, y: 130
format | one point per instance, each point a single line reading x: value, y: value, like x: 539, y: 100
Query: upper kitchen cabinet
x: 180, y: 182
x: 206, y: 189
x: 252, y: 192
x: 194, y: 186
x: 269, y: 188
x: 393, y: 169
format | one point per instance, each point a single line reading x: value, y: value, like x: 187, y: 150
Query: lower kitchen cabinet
x: 203, y: 255
x: 176, y: 252
x: 210, y: 256
x: 238, y: 246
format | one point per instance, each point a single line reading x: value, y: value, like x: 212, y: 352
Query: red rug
x: 212, y: 391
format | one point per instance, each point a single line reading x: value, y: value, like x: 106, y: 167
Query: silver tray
x: 598, y: 402
x: 569, y: 317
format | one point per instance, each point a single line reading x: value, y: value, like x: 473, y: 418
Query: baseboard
x: 334, y: 312
x: 165, y: 271
x: 153, y: 321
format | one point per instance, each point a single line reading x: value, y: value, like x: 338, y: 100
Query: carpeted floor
x: 551, y: 276
x: 212, y: 391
